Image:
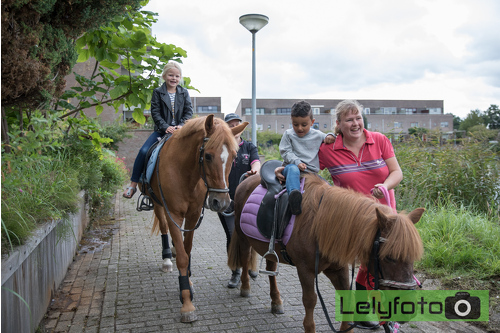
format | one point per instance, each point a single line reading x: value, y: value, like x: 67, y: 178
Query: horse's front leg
x: 309, y: 297
x: 166, y: 254
x: 340, y: 280
x: 276, y: 301
x: 188, y: 311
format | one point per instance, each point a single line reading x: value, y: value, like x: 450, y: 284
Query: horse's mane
x: 345, y: 222
x: 222, y: 134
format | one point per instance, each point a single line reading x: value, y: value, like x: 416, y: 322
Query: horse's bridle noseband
x: 378, y: 276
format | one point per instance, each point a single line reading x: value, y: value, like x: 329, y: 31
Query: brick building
x: 386, y: 116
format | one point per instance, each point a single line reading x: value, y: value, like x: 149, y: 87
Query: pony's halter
x: 204, y: 174
x: 378, y: 276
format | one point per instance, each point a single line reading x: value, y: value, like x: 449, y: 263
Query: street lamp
x: 253, y: 23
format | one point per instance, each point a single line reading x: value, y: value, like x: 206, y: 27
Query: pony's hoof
x: 167, y: 266
x: 277, y: 309
x: 188, y: 317
x: 245, y: 292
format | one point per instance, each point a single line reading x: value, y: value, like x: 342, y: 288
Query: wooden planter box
x: 35, y: 270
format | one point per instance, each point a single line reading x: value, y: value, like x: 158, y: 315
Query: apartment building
x: 386, y: 116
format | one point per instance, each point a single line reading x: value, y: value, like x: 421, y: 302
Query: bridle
x: 203, y: 176
x: 378, y: 275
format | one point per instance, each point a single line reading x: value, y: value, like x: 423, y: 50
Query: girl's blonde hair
x: 170, y: 65
x: 344, y: 107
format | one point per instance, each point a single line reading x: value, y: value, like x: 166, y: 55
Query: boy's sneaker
x: 295, y: 202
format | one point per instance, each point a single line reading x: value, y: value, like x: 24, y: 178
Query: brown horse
x: 192, y: 171
x: 343, y: 225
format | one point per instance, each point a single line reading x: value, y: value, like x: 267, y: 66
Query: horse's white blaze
x: 224, y: 157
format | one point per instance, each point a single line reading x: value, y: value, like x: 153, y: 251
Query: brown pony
x: 343, y: 225
x: 192, y: 171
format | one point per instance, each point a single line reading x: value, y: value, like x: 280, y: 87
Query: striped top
x: 172, y: 103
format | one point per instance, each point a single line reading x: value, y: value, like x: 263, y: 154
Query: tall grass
x: 467, y: 175
x: 459, y: 242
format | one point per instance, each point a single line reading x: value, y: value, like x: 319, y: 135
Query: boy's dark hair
x: 302, y: 109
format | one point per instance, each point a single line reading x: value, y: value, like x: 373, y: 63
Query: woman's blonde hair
x: 344, y: 107
x: 170, y: 65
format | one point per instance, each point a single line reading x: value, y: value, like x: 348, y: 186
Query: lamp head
x: 254, y: 22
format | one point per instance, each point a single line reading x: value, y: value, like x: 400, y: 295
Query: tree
x: 127, y: 43
x: 492, y: 116
x: 475, y: 117
x: 456, y: 122
x: 38, y: 45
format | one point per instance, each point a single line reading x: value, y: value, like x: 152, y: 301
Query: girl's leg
x: 141, y: 156
x: 139, y: 164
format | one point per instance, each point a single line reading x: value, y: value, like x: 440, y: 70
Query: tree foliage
x: 38, y: 44
x: 492, y: 116
x: 129, y: 63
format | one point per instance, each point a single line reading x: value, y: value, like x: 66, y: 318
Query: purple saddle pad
x: 248, y: 219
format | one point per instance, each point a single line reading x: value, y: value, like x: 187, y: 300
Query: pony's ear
x: 209, y: 124
x: 240, y: 128
x: 382, y: 219
x: 415, y: 215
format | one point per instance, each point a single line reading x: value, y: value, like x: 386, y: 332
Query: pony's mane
x: 222, y: 134
x: 345, y: 223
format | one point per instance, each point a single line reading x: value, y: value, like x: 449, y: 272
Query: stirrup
x: 144, y: 203
x: 271, y: 273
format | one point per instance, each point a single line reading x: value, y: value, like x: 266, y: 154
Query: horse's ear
x: 415, y: 215
x: 240, y: 128
x: 382, y: 218
x: 209, y: 124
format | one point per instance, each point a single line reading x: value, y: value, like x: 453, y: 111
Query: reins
x: 203, y: 176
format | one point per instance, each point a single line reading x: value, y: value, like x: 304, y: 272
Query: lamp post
x: 253, y: 23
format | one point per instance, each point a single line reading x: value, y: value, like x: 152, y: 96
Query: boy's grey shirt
x: 296, y: 150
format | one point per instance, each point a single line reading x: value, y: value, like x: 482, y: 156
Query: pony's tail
x: 233, y: 254
x: 155, y: 230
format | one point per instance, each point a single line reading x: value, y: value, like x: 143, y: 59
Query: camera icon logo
x: 462, y: 306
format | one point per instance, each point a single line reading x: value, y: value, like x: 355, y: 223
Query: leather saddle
x: 273, y: 213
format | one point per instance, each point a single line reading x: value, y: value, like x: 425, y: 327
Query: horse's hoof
x: 245, y: 292
x: 167, y: 266
x: 188, y: 317
x: 277, y: 309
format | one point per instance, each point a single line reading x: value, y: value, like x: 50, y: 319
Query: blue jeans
x: 141, y: 156
x: 292, y: 175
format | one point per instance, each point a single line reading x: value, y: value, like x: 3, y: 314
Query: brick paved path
x: 116, y: 286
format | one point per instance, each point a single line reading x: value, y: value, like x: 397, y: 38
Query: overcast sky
x: 362, y: 49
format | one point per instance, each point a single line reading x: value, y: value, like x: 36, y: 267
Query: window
x: 413, y: 124
x: 324, y: 126
x: 259, y: 127
x: 444, y: 124
x: 257, y: 111
x: 368, y: 126
x: 268, y: 126
x: 316, y: 126
x: 398, y: 124
x: 282, y: 126
x: 389, y: 110
x: 315, y: 110
x: 207, y: 109
x: 366, y: 110
x: 283, y: 110
x: 435, y: 110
